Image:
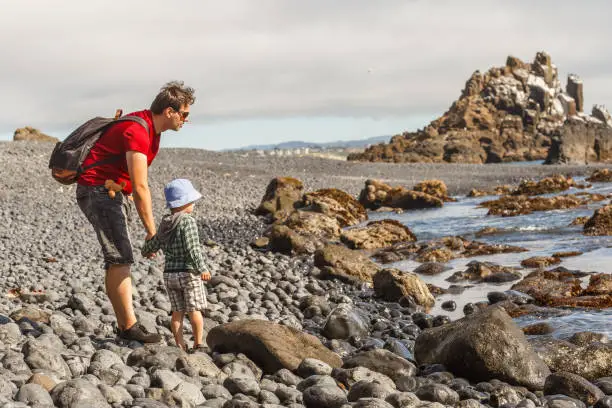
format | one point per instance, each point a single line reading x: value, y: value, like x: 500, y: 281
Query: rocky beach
x: 299, y: 321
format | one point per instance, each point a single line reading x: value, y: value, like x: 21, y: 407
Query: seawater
x: 542, y: 233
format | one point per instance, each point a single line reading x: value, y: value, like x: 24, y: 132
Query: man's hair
x: 174, y: 95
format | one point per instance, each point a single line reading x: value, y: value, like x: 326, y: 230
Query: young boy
x: 184, y: 268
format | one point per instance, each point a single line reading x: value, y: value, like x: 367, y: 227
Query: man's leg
x: 119, y: 290
x: 109, y: 218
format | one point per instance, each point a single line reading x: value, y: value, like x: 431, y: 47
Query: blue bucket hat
x: 179, y: 192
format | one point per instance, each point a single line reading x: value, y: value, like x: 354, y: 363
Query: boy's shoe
x: 202, y: 348
x: 139, y: 333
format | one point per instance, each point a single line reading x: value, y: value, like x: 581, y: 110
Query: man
x: 133, y: 149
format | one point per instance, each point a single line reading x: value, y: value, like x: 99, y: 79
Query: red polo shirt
x: 117, y: 140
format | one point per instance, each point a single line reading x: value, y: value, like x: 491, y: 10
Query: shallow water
x: 542, y: 233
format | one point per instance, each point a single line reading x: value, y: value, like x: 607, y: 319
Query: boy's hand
x: 205, y: 276
x: 151, y: 255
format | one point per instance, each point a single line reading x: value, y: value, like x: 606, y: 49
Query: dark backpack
x: 67, y: 157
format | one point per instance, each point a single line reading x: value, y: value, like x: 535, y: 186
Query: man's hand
x: 205, y: 276
x: 152, y: 254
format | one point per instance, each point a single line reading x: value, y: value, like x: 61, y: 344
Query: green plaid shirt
x: 184, y: 252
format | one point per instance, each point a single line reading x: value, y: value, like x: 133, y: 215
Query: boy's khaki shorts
x: 186, y: 291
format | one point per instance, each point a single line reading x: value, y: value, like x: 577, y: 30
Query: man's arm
x: 138, y: 169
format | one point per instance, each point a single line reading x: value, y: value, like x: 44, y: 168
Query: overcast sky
x: 267, y: 71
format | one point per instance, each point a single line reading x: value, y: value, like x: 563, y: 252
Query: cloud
x: 65, y: 61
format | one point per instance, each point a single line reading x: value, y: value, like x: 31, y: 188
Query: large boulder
x: 338, y: 261
x: 285, y: 240
x: 303, y: 232
x: 393, y: 284
x: 377, y: 234
x: 483, y: 346
x: 336, y: 204
x: 30, y: 133
x: 272, y: 346
x: 282, y: 193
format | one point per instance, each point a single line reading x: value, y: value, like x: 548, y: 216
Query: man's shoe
x: 139, y: 333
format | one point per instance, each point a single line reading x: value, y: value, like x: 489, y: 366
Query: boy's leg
x: 176, y: 325
x: 197, y: 324
x: 174, y: 289
x: 195, y: 302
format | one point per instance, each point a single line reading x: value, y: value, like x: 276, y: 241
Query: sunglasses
x: 182, y: 113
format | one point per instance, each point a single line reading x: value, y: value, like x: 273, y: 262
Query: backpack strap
x: 113, y: 159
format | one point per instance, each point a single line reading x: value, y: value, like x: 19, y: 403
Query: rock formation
x: 582, y: 141
x: 509, y: 113
x: 29, y: 133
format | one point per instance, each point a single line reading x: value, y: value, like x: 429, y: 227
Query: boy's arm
x: 150, y: 246
x: 191, y: 240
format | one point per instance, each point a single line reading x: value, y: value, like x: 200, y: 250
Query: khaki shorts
x: 109, y: 218
x: 185, y: 290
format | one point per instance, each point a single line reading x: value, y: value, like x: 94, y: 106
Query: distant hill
x: 296, y: 144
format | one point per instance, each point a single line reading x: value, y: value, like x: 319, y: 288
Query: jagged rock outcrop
x: 508, y: 113
x: 30, y: 133
x: 581, y: 141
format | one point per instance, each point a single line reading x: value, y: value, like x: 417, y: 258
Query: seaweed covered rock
x: 377, y: 234
x: 377, y: 194
x: 600, y: 222
x: 336, y: 204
